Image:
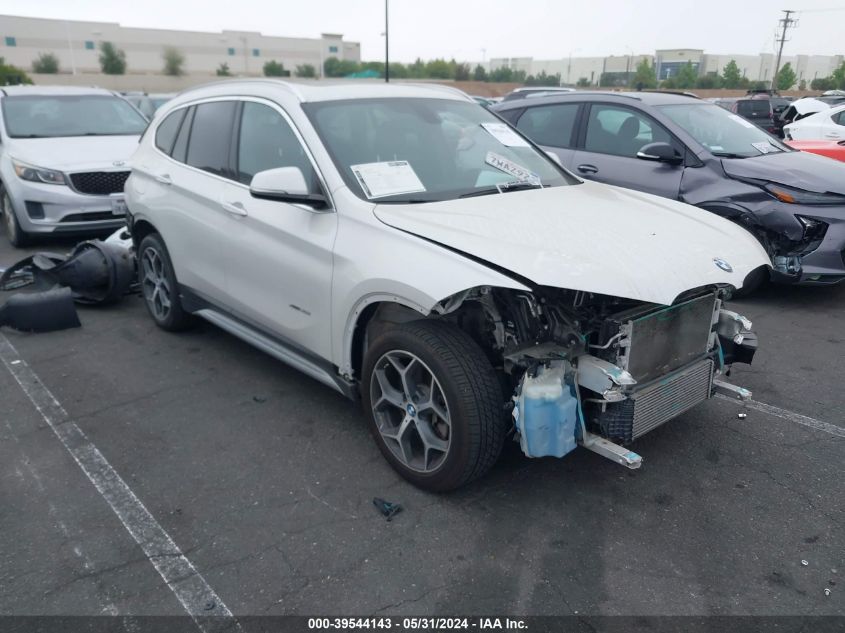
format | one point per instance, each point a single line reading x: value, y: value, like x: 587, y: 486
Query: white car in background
x: 827, y: 125
x: 64, y: 158
x: 403, y: 245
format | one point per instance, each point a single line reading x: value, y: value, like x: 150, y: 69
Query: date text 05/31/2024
x: 414, y: 624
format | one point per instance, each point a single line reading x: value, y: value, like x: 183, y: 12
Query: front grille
x: 99, y: 183
x: 669, y: 398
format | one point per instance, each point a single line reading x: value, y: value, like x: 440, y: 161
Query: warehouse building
x: 76, y: 45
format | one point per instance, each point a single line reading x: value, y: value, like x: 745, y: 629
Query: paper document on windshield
x: 764, y: 147
x: 505, y: 135
x: 511, y: 168
x: 390, y: 178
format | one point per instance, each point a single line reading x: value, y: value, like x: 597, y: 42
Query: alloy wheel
x: 156, y: 287
x: 410, y: 411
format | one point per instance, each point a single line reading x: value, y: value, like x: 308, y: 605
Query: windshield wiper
x: 516, y: 185
x: 730, y: 155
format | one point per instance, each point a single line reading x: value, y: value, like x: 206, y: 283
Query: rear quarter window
x: 167, y: 130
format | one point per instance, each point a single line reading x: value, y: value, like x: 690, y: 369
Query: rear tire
x: 159, y: 286
x: 434, y: 404
x: 16, y: 235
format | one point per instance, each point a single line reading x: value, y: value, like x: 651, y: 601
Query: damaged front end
x: 603, y: 371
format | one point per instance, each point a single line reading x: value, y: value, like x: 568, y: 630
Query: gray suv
x: 686, y: 149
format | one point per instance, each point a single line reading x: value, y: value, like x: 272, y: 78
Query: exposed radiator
x: 668, y: 398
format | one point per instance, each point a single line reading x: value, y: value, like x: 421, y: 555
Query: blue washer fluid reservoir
x: 546, y: 413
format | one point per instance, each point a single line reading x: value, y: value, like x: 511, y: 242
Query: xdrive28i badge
x: 721, y: 263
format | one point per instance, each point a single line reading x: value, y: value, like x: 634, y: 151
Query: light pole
x: 386, y: 44
x: 628, y: 67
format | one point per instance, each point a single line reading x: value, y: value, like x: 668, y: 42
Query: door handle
x: 588, y: 169
x: 235, y: 208
x: 832, y: 135
x: 164, y: 179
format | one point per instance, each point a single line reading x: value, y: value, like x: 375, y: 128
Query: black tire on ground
x: 471, y: 391
x: 16, y: 235
x: 174, y: 318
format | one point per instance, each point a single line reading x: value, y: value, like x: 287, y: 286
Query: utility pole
x: 785, y: 23
x: 386, y: 45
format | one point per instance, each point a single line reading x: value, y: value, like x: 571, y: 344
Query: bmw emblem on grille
x: 721, y: 263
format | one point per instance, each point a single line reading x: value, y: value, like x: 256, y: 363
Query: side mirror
x: 285, y: 184
x: 661, y: 153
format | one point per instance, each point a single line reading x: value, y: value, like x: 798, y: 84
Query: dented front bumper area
x: 649, y: 366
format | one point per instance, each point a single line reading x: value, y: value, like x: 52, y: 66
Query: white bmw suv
x: 403, y: 245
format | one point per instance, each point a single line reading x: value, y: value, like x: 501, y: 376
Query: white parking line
x: 187, y: 584
x: 789, y: 416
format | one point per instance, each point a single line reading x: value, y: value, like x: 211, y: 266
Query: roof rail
x: 680, y: 93
x: 242, y: 80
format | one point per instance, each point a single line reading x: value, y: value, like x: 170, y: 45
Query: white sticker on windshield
x: 742, y: 121
x: 763, y: 148
x: 391, y: 178
x: 511, y: 168
x: 505, y: 135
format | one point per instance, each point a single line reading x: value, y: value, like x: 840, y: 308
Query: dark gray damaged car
x: 683, y: 148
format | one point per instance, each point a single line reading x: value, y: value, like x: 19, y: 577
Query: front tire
x: 16, y: 235
x: 434, y: 404
x: 159, y: 287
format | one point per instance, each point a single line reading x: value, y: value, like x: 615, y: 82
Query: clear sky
x: 543, y: 29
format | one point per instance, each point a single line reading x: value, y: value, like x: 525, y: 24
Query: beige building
x: 76, y: 45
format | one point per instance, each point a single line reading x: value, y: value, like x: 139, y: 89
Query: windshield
x: 45, y: 116
x: 421, y: 150
x: 722, y: 132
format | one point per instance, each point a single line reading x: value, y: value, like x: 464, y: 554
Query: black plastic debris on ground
x: 45, y: 311
x: 388, y: 509
x: 96, y: 272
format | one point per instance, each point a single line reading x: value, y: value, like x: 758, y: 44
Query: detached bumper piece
x: 46, y: 311
x: 96, y: 272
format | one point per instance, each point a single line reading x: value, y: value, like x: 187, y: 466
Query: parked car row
x: 686, y: 149
x: 451, y: 266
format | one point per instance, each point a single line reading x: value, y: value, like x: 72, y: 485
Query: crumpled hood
x: 589, y: 237
x: 74, y: 153
x: 801, y: 170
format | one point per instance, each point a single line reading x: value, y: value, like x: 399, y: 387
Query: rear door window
x: 167, y: 130
x: 549, y: 125
x: 211, y: 137
x: 754, y: 108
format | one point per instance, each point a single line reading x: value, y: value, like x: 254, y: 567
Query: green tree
x: 439, y: 69
x: 838, y: 78
x: 273, y: 68
x: 786, y: 77
x: 46, y: 63
x: 670, y: 83
x: 645, y: 76
x: 543, y: 79
x: 822, y: 83
x: 731, y: 77
x: 174, y: 61
x: 334, y: 67
x: 583, y: 82
x: 802, y: 85
x: 306, y: 70
x: 462, y: 72
x: 687, y: 76
x: 479, y: 74
x: 11, y: 75
x: 709, y: 81
x: 223, y: 70
x: 398, y: 70
x: 502, y: 75
x: 417, y: 69
x: 112, y: 59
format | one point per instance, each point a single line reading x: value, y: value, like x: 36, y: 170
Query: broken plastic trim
x: 46, y: 311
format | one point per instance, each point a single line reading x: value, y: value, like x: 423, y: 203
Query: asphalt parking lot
x: 264, y: 480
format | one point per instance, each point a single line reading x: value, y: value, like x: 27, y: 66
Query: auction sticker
x: 511, y: 168
x: 505, y: 135
x: 391, y: 178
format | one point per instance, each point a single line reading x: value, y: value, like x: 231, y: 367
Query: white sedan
x: 825, y: 125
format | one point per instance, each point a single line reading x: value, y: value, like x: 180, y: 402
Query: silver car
x: 64, y: 155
